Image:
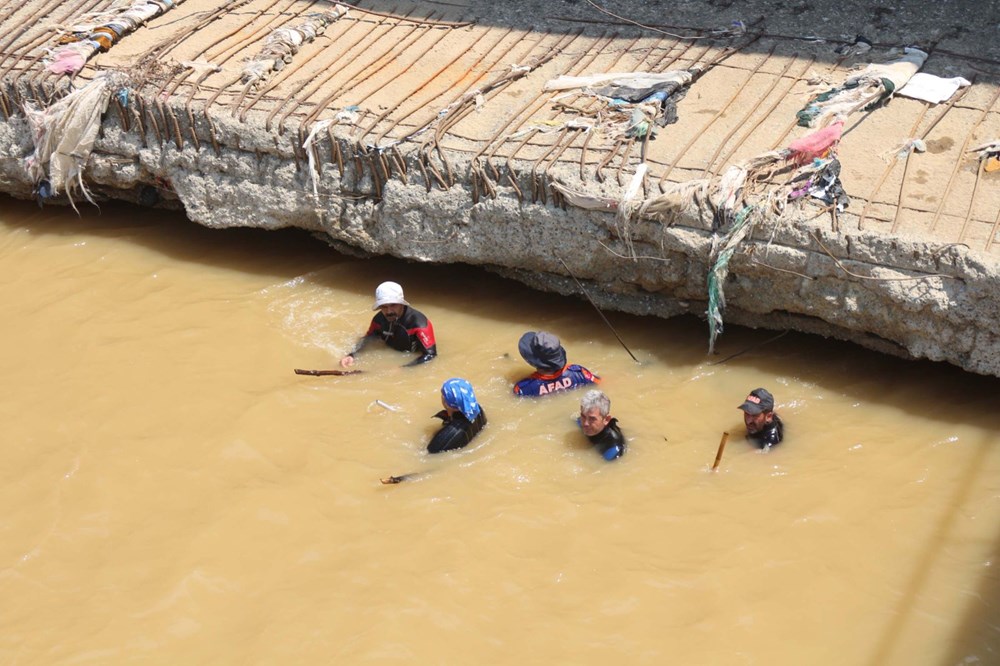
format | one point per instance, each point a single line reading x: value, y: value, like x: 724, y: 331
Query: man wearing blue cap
x: 543, y: 351
x: 763, y: 425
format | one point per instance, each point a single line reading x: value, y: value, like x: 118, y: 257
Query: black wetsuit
x: 412, y: 332
x: 770, y: 435
x: 456, y: 432
x: 610, y: 441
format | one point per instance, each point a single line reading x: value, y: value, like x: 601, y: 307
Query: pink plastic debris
x: 817, y: 144
x: 67, y: 61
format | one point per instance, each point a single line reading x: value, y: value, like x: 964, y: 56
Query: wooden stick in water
x: 322, y: 373
x: 389, y: 480
x: 722, y: 446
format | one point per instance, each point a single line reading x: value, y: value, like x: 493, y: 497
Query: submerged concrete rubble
x: 752, y: 163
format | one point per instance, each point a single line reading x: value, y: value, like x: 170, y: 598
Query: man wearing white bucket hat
x: 400, y: 326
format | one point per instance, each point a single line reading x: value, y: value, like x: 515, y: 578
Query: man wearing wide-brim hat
x: 543, y: 351
x: 400, y: 326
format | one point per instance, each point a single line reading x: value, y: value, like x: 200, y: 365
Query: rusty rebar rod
x: 906, y: 169
x: 961, y: 157
x: 344, y: 26
x: 993, y: 232
x: 695, y: 136
x: 718, y: 453
x: 750, y: 131
x: 27, y: 24
x: 376, y: 65
x: 412, y: 94
x: 174, y: 82
x: 520, y: 115
x: 407, y: 94
x: 465, y: 102
x: 889, y: 168
x: 751, y: 109
x: 350, y: 51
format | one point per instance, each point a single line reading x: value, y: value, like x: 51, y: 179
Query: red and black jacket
x: 412, y: 332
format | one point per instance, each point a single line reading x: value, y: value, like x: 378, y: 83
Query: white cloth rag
x: 931, y: 88
x: 634, y: 79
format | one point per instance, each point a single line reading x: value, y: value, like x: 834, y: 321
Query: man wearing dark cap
x: 763, y: 425
x: 543, y: 351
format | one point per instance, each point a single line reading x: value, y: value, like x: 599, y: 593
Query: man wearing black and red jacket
x: 399, y: 325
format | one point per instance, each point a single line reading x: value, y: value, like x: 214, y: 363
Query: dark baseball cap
x: 760, y: 400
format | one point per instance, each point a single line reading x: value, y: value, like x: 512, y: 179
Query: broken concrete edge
x: 894, y: 295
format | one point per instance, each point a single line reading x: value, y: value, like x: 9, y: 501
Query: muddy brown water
x: 173, y: 493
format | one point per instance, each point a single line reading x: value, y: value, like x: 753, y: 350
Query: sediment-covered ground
x: 431, y: 131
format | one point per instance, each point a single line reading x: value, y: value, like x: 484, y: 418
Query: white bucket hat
x: 388, y: 293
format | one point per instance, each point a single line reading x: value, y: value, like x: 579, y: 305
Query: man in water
x: 599, y: 426
x: 543, y: 351
x: 462, y: 415
x: 763, y: 425
x: 400, y: 326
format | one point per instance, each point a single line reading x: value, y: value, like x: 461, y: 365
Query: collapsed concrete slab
x: 493, y: 174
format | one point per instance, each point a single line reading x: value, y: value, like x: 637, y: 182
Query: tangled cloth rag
x: 585, y: 200
x: 742, y: 225
x: 677, y: 198
x: 102, y: 31
x: 826, y: 186
x: 633, y: 100
x: 627, y: 207
x: 868, y: 89
x: 308, y: 146
x: 283, y: 43
x: 458, y: 394
x: 64, y: 135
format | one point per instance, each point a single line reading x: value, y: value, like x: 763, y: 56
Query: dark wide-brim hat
x: 759, y: 401
x: 542, y: 351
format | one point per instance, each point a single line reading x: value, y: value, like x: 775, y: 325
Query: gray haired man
x: 599, y: 426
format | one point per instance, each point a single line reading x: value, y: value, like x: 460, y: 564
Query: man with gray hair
x: 599, y: 426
